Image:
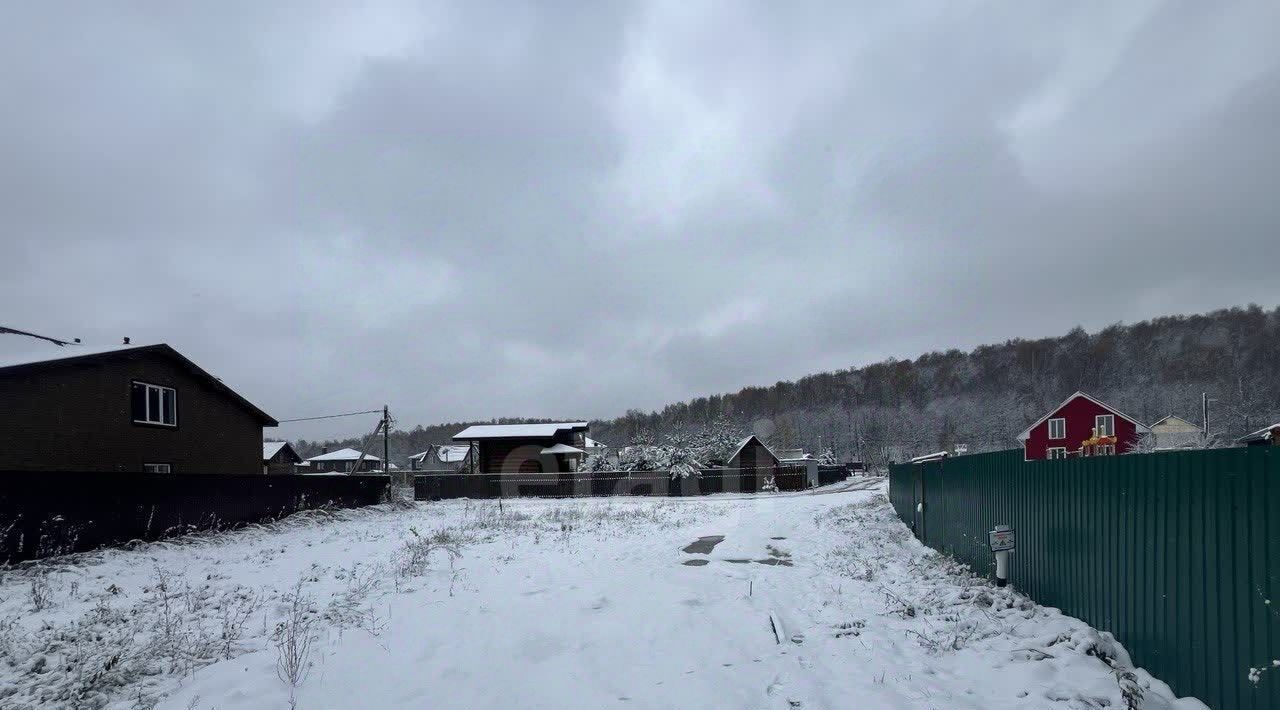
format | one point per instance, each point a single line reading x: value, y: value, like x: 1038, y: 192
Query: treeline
x: 899, y: 408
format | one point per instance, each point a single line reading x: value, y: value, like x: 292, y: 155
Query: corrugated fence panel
x: 1176, y: 553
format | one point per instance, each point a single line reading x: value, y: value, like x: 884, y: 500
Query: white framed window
x: 1058, y: 428
x: 154, y: 404
x: 1105, y: 424
x: 157, y: 468
x: 1057, y: 452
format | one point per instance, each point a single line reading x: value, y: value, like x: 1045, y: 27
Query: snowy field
x: 814, y: 600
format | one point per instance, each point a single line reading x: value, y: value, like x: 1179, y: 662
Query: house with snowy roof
x: 343, y: 461
x: 752, y: 453
x: 1266, y: 436
x: 279, y: 457
x: 549, y: 447
x: 442, y: 457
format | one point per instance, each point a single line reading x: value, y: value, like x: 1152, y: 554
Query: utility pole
x: 386, y: 439
x: 1204, y: 411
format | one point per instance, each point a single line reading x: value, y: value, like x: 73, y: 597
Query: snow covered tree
x: 717, y: 441
x: 682, y: 456
x: 598, y: 462
x: 643, y: 457
x: 827, y: 458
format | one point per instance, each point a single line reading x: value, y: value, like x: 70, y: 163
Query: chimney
x: 324, y: 449
x: 126, y: 341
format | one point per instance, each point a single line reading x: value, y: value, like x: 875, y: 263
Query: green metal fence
x: 1176, y: 553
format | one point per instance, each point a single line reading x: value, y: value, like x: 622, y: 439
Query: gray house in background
x: 442, y: 457
x: 341, y: 461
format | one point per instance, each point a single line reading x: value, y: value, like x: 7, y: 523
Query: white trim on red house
x: 1026, y: 433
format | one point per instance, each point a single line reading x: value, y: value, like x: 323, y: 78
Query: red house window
x: 1058, y: 428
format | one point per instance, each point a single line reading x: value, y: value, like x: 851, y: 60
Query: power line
x: 330, y: 416
x: 55, y: 341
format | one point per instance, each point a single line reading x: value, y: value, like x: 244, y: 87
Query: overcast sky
x: 470, y: 210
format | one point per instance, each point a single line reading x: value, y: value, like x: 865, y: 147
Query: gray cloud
x: 474, y: 210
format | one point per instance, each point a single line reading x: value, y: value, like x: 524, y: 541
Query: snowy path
x: 554, y: 604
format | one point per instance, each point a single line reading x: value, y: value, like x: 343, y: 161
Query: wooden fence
x: 45, y: 514
x: 438, y: 486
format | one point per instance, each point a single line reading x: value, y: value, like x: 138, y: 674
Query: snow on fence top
x: 515, y: 431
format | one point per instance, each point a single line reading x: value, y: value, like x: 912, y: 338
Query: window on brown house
x: 154, y: 404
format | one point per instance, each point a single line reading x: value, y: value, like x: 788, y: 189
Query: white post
x: 1002, y: 561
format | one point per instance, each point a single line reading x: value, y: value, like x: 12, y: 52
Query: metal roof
x: 516, y: 431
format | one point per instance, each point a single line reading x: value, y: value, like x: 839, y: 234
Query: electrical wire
x: 330, y: 416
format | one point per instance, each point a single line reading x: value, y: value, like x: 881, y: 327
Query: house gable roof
x: 446, y: 453
x: 160, y: 350
x: 1142, y: 428
x: 1171, y: 419
x: 517, y: 431
x: 271, y: 448
x: 743, y: 444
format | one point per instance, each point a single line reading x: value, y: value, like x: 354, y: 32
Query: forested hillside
x: 983, y: 398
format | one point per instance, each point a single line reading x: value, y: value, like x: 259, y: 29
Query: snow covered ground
x: 814, y: 600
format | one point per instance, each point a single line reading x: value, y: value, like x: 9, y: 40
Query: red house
x: 1081, y: 426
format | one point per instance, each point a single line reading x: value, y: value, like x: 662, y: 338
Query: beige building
x: 1175, y: 433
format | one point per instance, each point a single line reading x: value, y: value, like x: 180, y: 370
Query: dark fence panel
x: 46, y: 514
x: 828, y: 474
x: 439, y: 486
x: 1176, y: 553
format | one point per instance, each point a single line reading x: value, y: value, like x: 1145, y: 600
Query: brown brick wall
x: 78, y: 418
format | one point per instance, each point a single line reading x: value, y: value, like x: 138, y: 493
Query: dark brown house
x: 279, y: 457
x: 144, y: 409
x: 753, y: 454
x: 526, y: 448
